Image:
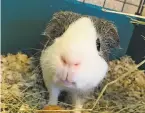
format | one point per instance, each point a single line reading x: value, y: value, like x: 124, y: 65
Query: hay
x: 23, y: 90
x: 20, y: 84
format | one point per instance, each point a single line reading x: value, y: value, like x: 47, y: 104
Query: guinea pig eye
x: 98, y: 44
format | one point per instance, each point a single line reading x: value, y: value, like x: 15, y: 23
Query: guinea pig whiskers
x: 33, y: 49
x: 35, y: 60
x: 36, y: 68
x: 37, y: 51
x: 67, y: 77
x: 49, y: 39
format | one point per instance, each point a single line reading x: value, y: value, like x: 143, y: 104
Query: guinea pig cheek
x: 58, y: 69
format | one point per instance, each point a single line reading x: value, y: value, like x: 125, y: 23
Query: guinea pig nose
x: 70, y: 63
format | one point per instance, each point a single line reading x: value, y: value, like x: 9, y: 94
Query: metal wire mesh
x: 140, y: 7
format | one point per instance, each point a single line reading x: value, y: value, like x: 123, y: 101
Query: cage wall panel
x: 24, y: 21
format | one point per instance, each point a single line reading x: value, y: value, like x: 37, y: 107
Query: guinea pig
x: 76, y: 59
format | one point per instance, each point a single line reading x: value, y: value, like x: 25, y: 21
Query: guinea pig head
x: 74, y: 57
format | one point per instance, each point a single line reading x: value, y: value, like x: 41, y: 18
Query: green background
x: 23, y: 22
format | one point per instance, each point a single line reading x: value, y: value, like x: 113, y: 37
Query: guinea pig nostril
x: 77, y: 64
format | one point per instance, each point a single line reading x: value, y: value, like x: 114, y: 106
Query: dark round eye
x: 98, y: 44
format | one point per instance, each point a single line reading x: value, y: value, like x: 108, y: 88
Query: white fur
x: 78, y: 43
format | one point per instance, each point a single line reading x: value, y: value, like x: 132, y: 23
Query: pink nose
x: 66, y: 62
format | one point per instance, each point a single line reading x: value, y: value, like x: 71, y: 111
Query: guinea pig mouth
x: 67, y: 82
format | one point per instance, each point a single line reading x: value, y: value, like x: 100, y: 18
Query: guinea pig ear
x: 108, y: 33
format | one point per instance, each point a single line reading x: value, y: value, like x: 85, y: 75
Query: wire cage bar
x: 140, y: 6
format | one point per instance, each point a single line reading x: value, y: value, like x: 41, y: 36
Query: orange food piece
x: 53, y: 107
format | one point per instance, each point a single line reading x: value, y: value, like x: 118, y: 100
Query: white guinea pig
x: 74, y: 62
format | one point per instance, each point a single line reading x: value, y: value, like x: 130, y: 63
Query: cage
x: 136, y: 7
x: 26, y: 25
x: 24, y: 21
x: 126, y: 6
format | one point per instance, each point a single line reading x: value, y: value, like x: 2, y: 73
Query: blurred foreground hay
x: 23, y: 91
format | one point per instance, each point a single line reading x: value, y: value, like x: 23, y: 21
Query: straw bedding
x: 23, y: 90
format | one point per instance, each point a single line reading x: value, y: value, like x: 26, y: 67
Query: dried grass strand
x: 110, y: 83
